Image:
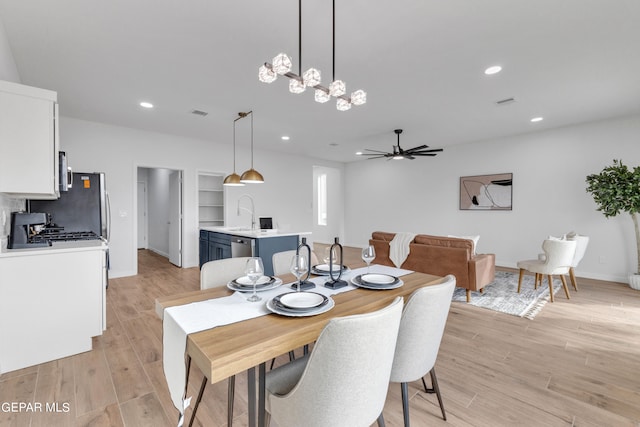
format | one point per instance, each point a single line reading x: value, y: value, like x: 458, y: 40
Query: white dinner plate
x: 272, y: 307
x: 323, y: 269
x: 265, y: 286
x: 302, y: 300
x: 356, y: 281
x: 378, y: 279
x: 244, y: 280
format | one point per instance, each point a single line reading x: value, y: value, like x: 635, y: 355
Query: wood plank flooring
x: 576, y: 364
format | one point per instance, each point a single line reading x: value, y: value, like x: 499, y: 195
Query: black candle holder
x: 304, y: 283
x: 335, y: 282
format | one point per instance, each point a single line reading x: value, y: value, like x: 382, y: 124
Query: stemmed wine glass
x: 254, y: 270
x: 299, y: 267
x: 330, y: 256
x: 368, y: 255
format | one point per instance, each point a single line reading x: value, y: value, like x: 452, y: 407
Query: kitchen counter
x: 56, y: 247
x: 254, y: 234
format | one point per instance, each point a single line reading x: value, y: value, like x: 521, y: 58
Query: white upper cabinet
x: 28, y: 142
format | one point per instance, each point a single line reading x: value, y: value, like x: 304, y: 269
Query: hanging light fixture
x: 233, y: 180
x: 281, y: 65
x: 250, y: 176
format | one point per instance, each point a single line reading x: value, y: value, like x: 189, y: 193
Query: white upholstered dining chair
x: 343, y: 382
x: 557, y: 261
x: 282, y: 261
x: 581, y: 247
x: 421, y: 328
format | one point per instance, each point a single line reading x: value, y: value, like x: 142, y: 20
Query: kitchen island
x: 52, y: 302
x: 226, y: 242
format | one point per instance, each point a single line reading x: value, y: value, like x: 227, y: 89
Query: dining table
x: 247, y: 345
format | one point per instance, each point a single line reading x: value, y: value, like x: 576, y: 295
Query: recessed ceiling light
x: 285, y: 138
x: 537, y: 119
x: 493, y: 70
x: 146, y: 104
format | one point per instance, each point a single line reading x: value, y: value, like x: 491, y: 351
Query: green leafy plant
x: 615, y: 190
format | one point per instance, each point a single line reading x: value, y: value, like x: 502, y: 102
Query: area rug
x: 502, y: 295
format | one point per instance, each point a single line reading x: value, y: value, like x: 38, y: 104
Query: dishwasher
x: 241, y: 247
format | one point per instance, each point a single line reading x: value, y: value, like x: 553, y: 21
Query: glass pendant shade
x: 296, y: 86
x: 266, y: 75
x: 337, y: 88
x: 343, y: 105
x: 252, y: 176
x: 358, y: 97
x: 321, y: 96
x: 311, y: 77
x: 233, y: 180
x: 281, y: 64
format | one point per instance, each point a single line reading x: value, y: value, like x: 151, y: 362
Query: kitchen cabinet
x: 52, y: 302
x: 210, y: 199
x: 28, y: 142
x: 214, y: 246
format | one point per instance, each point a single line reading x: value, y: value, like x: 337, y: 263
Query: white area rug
x: 502, y: 295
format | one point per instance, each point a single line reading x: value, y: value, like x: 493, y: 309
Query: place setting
x: 330, y: 259
x: 375, y: 281
x: 254, y: 280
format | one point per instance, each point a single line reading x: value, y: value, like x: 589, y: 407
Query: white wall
x: 549, y: 198
x: 157, y: 208
x: 119, y: 151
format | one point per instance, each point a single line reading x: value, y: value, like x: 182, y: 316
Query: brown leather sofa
x: 441, y: 256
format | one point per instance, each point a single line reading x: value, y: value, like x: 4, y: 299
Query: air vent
x: 506, y: 101
x: 199, y: 113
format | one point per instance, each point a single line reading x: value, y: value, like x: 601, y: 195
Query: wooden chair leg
x: 468, y: 295
x: 564, y: 285
x: 550, y: 279
x: 520, y: 279
x: 572, y: 275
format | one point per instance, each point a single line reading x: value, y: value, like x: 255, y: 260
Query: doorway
x: 159, y: 212
x: 328, y: 200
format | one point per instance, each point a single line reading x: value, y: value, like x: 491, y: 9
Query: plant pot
x: 634, y: 281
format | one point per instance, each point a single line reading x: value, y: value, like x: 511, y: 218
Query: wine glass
x: 368, y: 255
x: 254, y: 270
x: 330, y: 256
x: 299, y: 267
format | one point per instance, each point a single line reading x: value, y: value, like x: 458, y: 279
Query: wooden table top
x: 230, y: 349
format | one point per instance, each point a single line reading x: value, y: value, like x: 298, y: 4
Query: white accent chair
x: 421, y: 328
x: 558, y: 258
x: 212, y: 275
x: 344, y: 381
x: 581, y: 247
x: 282, y: 261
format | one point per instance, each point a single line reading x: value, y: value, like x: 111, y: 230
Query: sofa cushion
x: 473, y: 238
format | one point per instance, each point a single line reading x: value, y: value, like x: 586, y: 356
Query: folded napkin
x: 399, y: 247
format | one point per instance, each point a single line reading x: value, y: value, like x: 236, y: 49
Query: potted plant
x: 617, y: 189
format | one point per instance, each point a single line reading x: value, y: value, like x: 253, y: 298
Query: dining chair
x: 282, y: 261
x: 581, y: 247
x: 421, y: 329
x: 558, y: 255
x: 214, y: 274
x: 344, y: 380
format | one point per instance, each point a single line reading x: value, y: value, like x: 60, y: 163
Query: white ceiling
x: 420, y: 61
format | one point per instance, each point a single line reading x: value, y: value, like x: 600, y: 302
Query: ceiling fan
x: 398, y: 153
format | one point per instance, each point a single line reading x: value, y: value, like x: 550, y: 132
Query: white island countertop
x: 254, y: 234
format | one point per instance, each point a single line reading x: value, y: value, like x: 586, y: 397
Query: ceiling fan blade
x: 421, y: 147
x: 376, y: 151
x: 408, y: 156
x: 377, y: 157
x: 434, y: 150
x: 423, y: 154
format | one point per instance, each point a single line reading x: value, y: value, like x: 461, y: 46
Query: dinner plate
x: 302, y: 300
x: 378, y: 279
x: 271, y: 283
x: 274, y: 306
x: 323, y: 269
x: 245, y: 281
x: 366, y: 285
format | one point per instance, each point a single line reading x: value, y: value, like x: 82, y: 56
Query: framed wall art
x: 486, y: 192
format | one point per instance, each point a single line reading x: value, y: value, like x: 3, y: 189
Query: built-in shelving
x: 210, y: 199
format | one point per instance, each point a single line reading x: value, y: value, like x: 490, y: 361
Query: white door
x: 142, y: 215
x: 175, y: 218
x: 328, y: 203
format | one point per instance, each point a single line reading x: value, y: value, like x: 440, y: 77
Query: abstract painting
x: 486, y: 192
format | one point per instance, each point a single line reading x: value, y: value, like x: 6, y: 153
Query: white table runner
x: 182, y: 320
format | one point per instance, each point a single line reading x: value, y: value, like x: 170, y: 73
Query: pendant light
x: 233, y: 180
x: 251, y: 176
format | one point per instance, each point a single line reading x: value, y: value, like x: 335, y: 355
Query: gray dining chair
x: 421, y: 328
x: 343, y: 382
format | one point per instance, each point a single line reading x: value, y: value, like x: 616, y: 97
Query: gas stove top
x: 63, y: 236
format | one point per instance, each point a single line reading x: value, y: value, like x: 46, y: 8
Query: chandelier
x: 281, y: 65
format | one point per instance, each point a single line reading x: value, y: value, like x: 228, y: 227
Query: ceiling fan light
x: 233, y: 180
x: 266, y: 74
x: 321, y: 96
x: 311, y: 77
x: 337, y: 88
x: 343, y: 104
x: 281, y: 64
x: 296, y: 86
x: 252, y: 176
x: 358, y: 97
x: 398, y: 157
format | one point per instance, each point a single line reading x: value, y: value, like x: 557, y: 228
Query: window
x: 322, y: 199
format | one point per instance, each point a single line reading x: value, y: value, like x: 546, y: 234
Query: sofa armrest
x: 482, y: 270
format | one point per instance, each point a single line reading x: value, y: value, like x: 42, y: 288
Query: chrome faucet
x: 252, y: 211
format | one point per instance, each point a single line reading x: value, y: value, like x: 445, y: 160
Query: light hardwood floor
x: 577, y: 363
